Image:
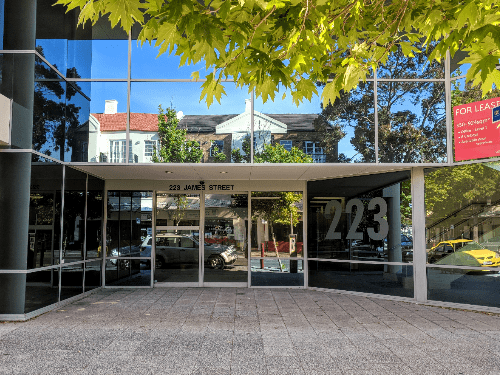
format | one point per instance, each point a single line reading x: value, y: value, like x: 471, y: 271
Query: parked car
x: 463, y: 252
x: 183, y: 249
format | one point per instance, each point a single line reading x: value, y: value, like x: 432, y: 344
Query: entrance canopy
x: 230, y: 171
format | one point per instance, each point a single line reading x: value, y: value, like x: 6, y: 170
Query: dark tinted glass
x: 361, y: 218
x: 359, y: 277
x: 74, y: 215
x: 93, y: 275
x: 274, y: 272
x: 71, y: 281
x: 44, y: 214
x: 42, y: 289
x: 470, y: 286
x: 95, y: 206
x: 127, y: 272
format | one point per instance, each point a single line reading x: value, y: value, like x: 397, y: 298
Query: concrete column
x: 418, y: 225
x: 393, y: 194
x: 14, y: 205
x: 15, y: 168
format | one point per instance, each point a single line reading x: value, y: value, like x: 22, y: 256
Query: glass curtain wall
x: 463, y: 234
x: 64, y: 255
x: 397, y: 116
x: 359, y: 234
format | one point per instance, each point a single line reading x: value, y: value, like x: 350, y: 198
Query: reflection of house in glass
x: 107, y: 134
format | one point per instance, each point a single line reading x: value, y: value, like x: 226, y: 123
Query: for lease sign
x: 477, y: 130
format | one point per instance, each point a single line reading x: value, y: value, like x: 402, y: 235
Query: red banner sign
x: 476, y: 135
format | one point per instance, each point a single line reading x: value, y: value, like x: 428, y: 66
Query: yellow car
x: 463, y: 253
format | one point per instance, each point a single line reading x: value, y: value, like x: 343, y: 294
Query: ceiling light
x: 223, y: 172
x: 168, y: 172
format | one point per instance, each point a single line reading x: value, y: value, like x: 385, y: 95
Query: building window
x: 149, y: 148
x: 219, y: 144
x: 287, y: 145
x: 118, y: 153
x: 316, y: 152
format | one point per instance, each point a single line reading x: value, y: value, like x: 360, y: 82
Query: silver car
x: 183, y: 249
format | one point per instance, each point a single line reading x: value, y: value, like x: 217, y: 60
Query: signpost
x: 477, y: 130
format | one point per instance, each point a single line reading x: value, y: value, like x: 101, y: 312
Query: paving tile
x: 249, y: 331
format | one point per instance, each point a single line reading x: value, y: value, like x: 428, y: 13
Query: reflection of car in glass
x: 124, y: 251
x: 445, y: 248
x: 463, y: 252
x: 406, y: 248
x: 180, y: 248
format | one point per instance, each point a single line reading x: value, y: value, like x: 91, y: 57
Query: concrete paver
x: 249, y: 331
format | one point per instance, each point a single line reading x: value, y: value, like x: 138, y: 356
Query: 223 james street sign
x: 477, y: 130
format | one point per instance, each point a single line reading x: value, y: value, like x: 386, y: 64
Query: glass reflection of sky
x: 91, y: 58
x: 102, y: 91
x: 184, y: 96
x: 108, y: 59
x: 146, y: 64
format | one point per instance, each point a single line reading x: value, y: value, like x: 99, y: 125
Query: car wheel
x: 216, y: 262
x: 124, y: 264
x: 159, y: 262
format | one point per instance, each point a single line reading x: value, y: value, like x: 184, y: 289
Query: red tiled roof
x: 147, y: 122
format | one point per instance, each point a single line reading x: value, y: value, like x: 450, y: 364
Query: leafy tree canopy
x: 295, y: 43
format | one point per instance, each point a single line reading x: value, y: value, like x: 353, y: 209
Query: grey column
x: 418, y: 225
x: 15, y: 168
x: 393, y: 194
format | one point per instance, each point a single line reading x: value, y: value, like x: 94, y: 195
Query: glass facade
x: 360, y: 228
x: 98, y: 93
x: 93, y: 96
x: 64, y: 255
x: 463, y: 234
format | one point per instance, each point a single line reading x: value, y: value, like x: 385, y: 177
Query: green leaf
x: 491, y: 80
x: 195, y: 75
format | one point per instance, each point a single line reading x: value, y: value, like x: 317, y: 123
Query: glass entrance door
x: 177, y: 246
x: 276, y: 239
x: 211, y: 239
x: 225, y: 254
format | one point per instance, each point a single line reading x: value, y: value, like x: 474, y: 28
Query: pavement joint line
x: 345, y: 327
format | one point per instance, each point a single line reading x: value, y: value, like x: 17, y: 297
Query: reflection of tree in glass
x: 282, y: 209
x: 177, y: 207
x: 42, y: 208
x: 54, y: 118
x: 174, y: 146
x: 460, y: 191
x: 271, y: 154
x: 405, y: 135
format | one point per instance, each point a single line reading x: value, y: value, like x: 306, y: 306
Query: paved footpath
x: 249, y: 331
